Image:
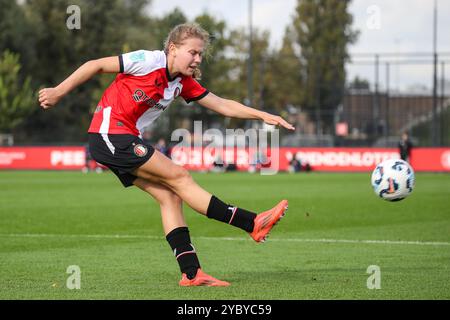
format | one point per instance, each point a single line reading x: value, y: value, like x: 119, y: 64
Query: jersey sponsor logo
x: 140, y: 96
x: 140, y: 150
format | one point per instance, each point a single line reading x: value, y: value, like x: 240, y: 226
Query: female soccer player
x: 147, y: 82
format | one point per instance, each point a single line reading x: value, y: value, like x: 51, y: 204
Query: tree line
x: 37, y: 49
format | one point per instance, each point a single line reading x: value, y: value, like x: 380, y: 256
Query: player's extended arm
x: 234, y: 109
x: 48, y: 97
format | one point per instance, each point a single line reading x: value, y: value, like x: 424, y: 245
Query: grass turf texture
x: 51, y: 220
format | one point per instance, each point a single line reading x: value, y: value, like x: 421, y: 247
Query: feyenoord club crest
x: 140, y: 150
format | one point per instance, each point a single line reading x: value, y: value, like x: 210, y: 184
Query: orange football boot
x: 265, y: 221
x: 202, y: 279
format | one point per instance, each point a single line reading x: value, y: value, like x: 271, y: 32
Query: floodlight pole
x: 441, y: 123
x: 250, y: 54
x: 386, y: 132
x: 376, y: 107
x: 435, y: 124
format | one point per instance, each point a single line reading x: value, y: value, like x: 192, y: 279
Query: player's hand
x: 48, y: 97
x: 277, y: 120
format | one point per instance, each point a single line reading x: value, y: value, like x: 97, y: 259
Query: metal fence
x: 396, y: 93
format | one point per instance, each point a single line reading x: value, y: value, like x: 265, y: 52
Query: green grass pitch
x: 334, y: 230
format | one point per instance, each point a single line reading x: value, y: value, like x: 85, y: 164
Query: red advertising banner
x: 57, y: 158
x: 320, y: 159
x: 338, y: 159
x: 431, y: 159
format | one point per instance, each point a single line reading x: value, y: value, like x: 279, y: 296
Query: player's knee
x: 181, y: 176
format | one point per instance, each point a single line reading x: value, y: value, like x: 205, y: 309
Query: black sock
x: 180, y: 242
x: 229, y: 214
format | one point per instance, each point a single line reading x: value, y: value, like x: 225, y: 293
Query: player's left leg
x: 177, y: 234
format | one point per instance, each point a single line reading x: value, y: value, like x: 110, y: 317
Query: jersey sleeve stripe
x: 121, y: 63
x: 198, y: 97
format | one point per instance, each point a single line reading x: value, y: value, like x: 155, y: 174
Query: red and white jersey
x: 140, y: 93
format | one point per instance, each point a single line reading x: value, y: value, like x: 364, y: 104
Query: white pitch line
x: 126, y: 236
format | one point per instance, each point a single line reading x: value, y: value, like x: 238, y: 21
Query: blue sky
x: 394, y: 26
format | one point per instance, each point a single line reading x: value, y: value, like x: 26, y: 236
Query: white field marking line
x: 126, y: 236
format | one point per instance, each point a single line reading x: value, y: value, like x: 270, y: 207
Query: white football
x: 393, y: 179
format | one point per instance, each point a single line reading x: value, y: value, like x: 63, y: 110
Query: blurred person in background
x: 405, y: 146
x: 161, y: 146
